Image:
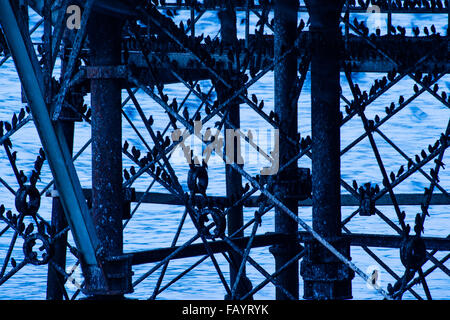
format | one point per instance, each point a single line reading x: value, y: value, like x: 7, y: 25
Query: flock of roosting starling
x: 383, y: 4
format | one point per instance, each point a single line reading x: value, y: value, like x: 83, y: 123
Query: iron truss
x: 160, y: 48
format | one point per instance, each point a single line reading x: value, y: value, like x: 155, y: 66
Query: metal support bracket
x: 324, y: 275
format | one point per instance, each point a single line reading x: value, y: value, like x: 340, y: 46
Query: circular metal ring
x: 197, y: 179
x: 219, y: 220
x: 28, y: 200
x: 413, y: 253
x: 33, y: 256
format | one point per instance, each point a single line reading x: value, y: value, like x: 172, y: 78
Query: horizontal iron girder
x: 268, y: 239
x: 404, y: 199
x: 126, y: 7
x: 346, y: 199
x: 359, y: 54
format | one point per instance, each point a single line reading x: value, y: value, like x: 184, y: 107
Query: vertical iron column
x: 285, y: 75
x: 55, y: 280
x: 104, y: 36
x: 325, y: 277
x: 228, y: 33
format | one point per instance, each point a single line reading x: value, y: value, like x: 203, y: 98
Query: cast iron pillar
x: 55, y: 280
x: 286, y: 182
x: 104, y: 36
x: 227, y: 16
x: 325, y: 277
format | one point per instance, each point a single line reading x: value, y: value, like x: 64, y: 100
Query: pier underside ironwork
x: 148, y: 66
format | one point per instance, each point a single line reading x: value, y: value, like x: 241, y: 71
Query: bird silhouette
x: 29, y: 229
x: 433, y: 29
x: 22, y: 176
x: 347, y: 109
x: 166, y: 142
x: 423, y: 154
x: 401, y: 30
x: 392, y: 29
x: 254, y: 99
x: 391, y: 75
x: 388, y: 111
x: 135, y: 152
x: 21, y: 114
x: 301, y: 26
x: 435, y: 88
x: 186, y: 114
x: 410, y: 164
x: 434, y: 175
x: 158, y: 171
x: 246, y: 188
x: 376, y: 189
x: 418, y: 75
x: 392, y: 176
x: 357, y: 90
x: 150, y: 120
x: 417, y: 158
x: 126, y: 175
x: 364, y: 96
x: 400, y: 171
x: 439, y: 163
x: 174, y: 105
x: 436, y: 145
x: 261, y: 105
